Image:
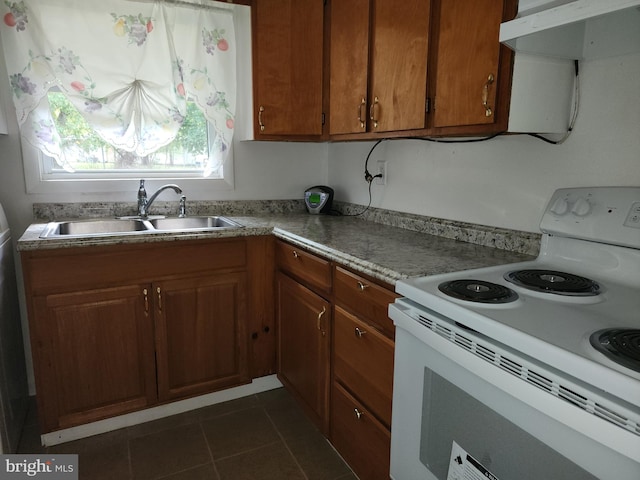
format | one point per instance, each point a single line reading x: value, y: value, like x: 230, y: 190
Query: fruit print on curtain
x: 128, y: 67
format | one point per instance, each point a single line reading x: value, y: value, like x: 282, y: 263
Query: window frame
x: 37, y: 183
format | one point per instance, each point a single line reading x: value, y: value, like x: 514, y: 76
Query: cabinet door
x: 398, y: 93
x: 288, y: 55
x: 349, y: 65
x: 303, y: 320
x: 201, y: 337
x: 94, y: 353
x: 466, y: 62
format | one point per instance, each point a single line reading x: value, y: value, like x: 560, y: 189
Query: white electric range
x: 558, y: 337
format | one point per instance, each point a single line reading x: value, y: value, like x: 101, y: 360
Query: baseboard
x: 258, y: 385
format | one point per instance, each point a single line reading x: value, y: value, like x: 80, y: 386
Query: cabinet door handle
x: 296, y: 254
x: 359, y: 333
x: 145, y: 292
x: 485, y: 96
x: 362, y: 112
x: 320, y: 315
x: 372, y: 112
x: 358, y: 413
x: 260, y: 111
x: 159, y: 292
x: 362, y: 286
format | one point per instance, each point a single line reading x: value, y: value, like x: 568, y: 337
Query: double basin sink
x: 124, y: 226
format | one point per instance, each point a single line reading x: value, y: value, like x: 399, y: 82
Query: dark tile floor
x: 262, y: 437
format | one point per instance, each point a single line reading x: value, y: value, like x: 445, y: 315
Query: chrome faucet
x: 144, y: 204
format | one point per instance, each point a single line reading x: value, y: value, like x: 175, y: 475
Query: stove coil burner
x: 478, y: 291
x: 550, y: 281
x: 622, y: 345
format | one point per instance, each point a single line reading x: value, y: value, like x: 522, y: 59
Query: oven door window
x: 450, y: 414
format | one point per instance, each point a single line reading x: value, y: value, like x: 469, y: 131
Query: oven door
x: 507, y: 428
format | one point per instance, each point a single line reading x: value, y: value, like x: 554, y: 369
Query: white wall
x: 507, y: 181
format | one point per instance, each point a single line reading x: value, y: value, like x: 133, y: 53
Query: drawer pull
x: 295, y: 254
x: 320, y: 315
x: 360, y: 333
x: 358, y: 413
x: 362, y: 286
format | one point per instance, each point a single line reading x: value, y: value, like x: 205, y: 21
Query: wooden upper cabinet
x: 467, y: 60
x: 288, y: 57
x: 378, y: 65
x: 398, y: 91
x: 349, y: 66
x: 411, y: 68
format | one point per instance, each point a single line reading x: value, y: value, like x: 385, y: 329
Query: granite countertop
x: 385, y: 252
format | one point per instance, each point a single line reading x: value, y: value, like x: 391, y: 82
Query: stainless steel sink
x: 132, y: 226
x: 79, y: 228
x: 192, y: 223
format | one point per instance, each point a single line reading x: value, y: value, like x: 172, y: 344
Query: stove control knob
x: 560, y: 206
x: 582, y: 207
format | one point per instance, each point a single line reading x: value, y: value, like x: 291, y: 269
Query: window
x: 200, y: 41
x: 88, y: 156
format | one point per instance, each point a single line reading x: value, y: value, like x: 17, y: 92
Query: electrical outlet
x: 382, y: 170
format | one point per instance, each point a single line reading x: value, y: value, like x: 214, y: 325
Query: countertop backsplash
x: 504, y: 239
x: 47, y: 212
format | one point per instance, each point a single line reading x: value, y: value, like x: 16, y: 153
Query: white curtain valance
x: 128, y: 67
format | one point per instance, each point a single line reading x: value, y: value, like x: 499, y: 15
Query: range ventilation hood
x: 579, y: 29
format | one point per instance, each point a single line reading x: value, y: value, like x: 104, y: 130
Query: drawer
x: 308, y: 268
x: 364, y: 298
x: 363, y: 442
x: 363, y: 361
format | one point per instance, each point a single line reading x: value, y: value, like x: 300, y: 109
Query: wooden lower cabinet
x: 335, y: 354
x: 94, y: 355
x: 201, y: 341
x: 362, y: 380
x: 116, y: 329
x: 303, y: 320
x: 358, y: 436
